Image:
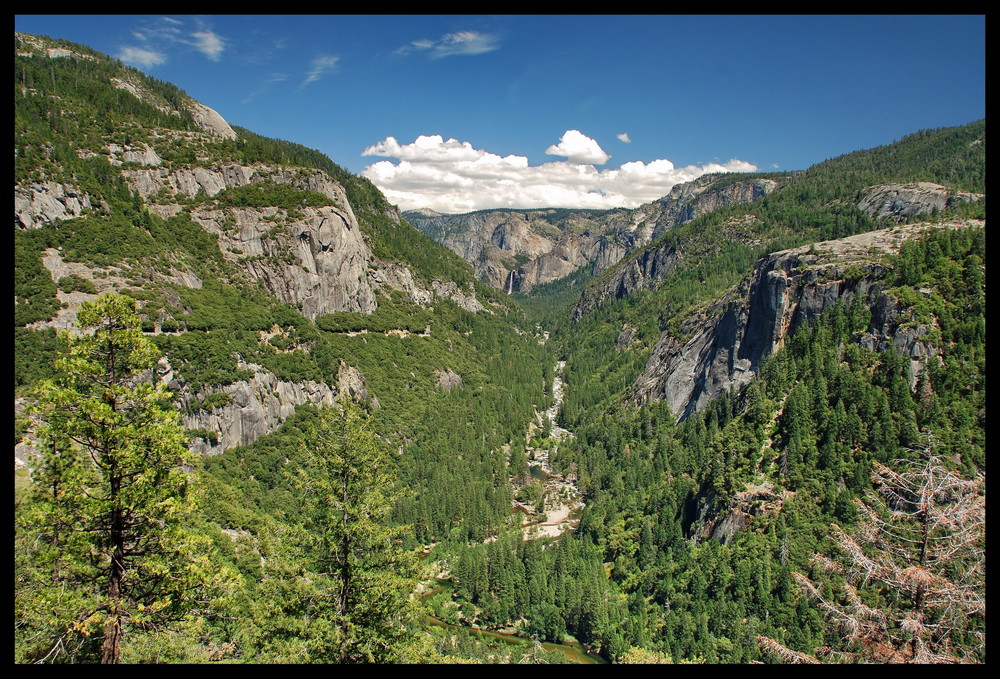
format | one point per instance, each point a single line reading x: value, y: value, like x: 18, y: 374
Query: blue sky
x: 468, y: 112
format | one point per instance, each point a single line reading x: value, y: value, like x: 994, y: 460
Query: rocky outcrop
x: 641, y: 272
x: 910, y: 341
x: 448, y: 379
x: 258, y: 407
x: 26, y: 449
x: 625, y: 337
x: 728, y: 340
x: 210, y: 121
x: 398, y: 276
x: 34, y: 46
x: 209, y: 180
x: 39, y: 203
x: 464, y: 299
x: 898, y: 202
x: 318, y: 260
x: 136, y: 153
x: 212, y: 179
x: 710, y: 523
x: 352, y: 382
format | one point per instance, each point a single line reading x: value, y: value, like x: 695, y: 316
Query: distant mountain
x: 516, y: 250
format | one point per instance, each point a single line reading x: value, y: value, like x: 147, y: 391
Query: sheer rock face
x: 211, y: 179
x: 897, y: 202
x: 494, y: 242
x: 259, y: 406
x: 570, y: 253
x: 39, y: 203
x: 319, y: 260
x: 728, y: 341
x: 640, y: 273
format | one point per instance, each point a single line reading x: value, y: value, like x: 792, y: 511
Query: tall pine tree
x: 361, y: 608
x: 104, y: 527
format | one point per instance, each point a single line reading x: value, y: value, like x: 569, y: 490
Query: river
x: 564, y: 502
x: 573, y: 652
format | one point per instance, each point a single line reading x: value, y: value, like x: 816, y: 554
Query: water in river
x: 574, y: 652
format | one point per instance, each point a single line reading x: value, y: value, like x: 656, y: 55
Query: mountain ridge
x: 516, y: 250
x: 723, y: 396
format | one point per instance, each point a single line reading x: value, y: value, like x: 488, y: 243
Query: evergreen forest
x: 456, y: 475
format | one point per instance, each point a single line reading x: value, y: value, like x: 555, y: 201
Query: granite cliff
x: 286, y: 225
x: 724, y: 344
x: 897, y: 202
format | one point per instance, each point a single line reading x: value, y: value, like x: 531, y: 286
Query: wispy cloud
x: 319, y: 67
x: 451, y: 44
x: 264, y: 85
x: 161, y: 34
x: 136, y: 56
x: 453, y: 176
x: 208, y: 43
x: 624, y: 138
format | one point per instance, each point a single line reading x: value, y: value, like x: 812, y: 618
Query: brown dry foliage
x: 921, y: 536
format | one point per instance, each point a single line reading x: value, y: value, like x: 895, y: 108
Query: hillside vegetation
x: 291, y: 426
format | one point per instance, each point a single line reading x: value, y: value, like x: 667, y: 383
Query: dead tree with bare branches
x: 913, y: 570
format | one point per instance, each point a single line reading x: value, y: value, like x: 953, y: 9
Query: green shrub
x: 75, y: 283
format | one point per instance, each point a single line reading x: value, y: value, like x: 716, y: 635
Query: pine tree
x: 361, y: 607
x: 108, y: 547
x: 921, y: 541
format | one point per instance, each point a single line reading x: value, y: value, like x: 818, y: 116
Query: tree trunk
x: 113, y: 628
x: 345, y: 571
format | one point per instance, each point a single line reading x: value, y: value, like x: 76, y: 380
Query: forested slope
x: 234, y: 247
x: 704, y: 522
x: 339, y: 409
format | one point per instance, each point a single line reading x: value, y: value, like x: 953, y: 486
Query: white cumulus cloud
x: 623, y: 137
x: 453, y: 176
x: 579, y: 148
